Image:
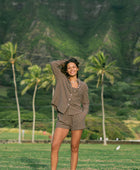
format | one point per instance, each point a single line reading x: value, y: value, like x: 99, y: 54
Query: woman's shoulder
x: 83, y: 84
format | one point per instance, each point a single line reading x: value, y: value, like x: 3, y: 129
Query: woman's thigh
x: 58, y: 137
x: 75, y: 137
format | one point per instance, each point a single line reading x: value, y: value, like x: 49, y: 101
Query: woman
x: 70, y: 94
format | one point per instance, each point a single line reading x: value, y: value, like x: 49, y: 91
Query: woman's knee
x: 74, y: 148
x: 55, y: 147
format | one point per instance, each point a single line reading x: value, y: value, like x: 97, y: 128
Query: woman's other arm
x: 85, y: 100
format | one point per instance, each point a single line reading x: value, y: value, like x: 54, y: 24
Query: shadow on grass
x: 34, y: 163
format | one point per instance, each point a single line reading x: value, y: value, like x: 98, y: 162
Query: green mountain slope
x: 77, y: 28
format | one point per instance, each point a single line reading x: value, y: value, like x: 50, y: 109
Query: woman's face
x: 72, y: 69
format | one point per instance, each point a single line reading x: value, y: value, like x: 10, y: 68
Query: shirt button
x: 68, y: 104
x: 69, y: 99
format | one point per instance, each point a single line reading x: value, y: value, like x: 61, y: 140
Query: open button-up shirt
x: 64, y: 98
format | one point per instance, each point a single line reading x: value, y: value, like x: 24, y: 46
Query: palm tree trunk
x: 33, y: 104
x: 17, y: 101
x: 103, y: 121
x: 52, y: 113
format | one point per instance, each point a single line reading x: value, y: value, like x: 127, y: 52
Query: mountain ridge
x: 75, y: 28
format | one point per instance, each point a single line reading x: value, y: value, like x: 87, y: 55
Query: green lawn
x: 91, y: 156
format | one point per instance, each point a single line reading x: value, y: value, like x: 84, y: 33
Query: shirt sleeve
x: 85, y: 100
x: 55, y: 65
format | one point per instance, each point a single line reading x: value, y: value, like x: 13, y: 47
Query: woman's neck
x: 73, y: 79
x: 74, y: 82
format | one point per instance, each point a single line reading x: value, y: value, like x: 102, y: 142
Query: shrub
x: 85, y: 134
x: 123, y: 113
x: 94, y: 136
x: 114, y: 128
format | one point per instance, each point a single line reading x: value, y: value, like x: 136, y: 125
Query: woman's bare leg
x: 75, y: 141
x: 58, y: 138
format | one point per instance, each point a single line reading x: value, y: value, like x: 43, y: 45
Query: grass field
x: 91, y: 156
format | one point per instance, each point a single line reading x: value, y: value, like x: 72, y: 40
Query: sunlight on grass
x: 133, y: 125
x: 91, y: 156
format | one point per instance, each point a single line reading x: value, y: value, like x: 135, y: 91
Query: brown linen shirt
x: 74, y: 103
x: 63, y: 92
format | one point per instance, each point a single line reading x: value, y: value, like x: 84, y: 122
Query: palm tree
x: 49, y: 81
x: 8, y: 55
x: 98, y: 65
x: 33, y: 78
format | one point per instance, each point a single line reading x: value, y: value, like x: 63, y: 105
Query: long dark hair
x: 64, y: 67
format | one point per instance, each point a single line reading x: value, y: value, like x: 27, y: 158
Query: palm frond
x: 15, y: 49
x: 99, y: 72
x: 45, y: 84
x: 19, y: 58
x: 27, y: 74
x: 136, y: 60
x: 96, y: 62
x: 27, y: 88
x: 3, y: 63
x: 101, y: 57
x: 115, y: 71
x: 91, y: 77
x: 3, y: 69
x: 90, y: 69
x: 19, y: 68
x: 25, y: 81
x: 110, y: 77
x: 47, y: 68
x: 5, y: 52
x: 110, y: 65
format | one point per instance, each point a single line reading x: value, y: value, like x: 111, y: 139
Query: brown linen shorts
x: 73, y: 122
